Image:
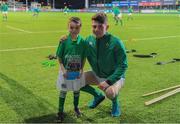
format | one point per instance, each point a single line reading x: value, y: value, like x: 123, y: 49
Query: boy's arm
x: 62, y: 67
x: 82, y: 68
x: 59, y: 54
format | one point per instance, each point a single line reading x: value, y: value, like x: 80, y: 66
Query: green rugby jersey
x: 107, y: 57
x: 72, y: 53
x: 116, y: 11
x: 130, y: 10
x: 4, y: 7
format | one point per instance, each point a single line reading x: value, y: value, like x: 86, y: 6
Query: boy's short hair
x: 76, y: 20
x: 100, y: 18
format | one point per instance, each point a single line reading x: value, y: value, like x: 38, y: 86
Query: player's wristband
x: 105, y: 88
x: 108, y: 82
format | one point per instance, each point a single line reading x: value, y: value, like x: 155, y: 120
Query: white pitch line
x: 18, y: 29
x: 43, y: 47
x: 156, y: 38
x: 23, y: 49
x: 38, y: 32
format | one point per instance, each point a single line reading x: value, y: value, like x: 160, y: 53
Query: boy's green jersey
x: 72, y: 53
x: 116, y: 11
x: 107, y: 57
x: 4, y: 7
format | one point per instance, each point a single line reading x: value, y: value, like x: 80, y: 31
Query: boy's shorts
x: 70, y: 85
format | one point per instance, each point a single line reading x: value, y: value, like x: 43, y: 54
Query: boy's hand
x: 65, y: 74
x: 80, y: 74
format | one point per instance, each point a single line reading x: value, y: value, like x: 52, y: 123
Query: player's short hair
x: 100, y: 18
x: 76, y: 20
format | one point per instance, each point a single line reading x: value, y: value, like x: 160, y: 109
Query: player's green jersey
x: 65, y: 9
x: 36, y: 10
x: 72, y: 53
x: 130, y: 10
x: 179, y: 9
x: 116, y: 11
x: 107, y: 57
x: 4, y: 7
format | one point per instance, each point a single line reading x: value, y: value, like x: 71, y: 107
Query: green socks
x: 116, y: 110
x: 61, y: 104
x: 76, y: 99
x: 62, y: 98
x: 121, y: 22
x: 91, y: 90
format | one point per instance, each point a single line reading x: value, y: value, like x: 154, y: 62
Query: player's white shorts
x: 70, y: 85
x: 113, y: 14
x: 129, y: 14
x: 121, y: 80
x: 4, y: 12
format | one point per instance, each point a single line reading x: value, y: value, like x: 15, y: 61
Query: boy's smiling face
x: 74, y: 28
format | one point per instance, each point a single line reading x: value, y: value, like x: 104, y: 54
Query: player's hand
x: 111, y: 92
x: 103, y: 85
x: 64, y: 37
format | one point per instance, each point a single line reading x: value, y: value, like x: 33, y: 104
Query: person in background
x: 117, y: 15
x: 130, y: 11
x: 4, y: 9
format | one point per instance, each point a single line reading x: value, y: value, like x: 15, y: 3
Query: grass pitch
x: 27, y: 89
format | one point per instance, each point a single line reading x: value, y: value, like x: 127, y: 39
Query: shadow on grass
x: 103, y: 115
x: 51, y: 118
x: 30, y: 107
x: 130, y: 118
x: 42, y: 119
x: 22, y: 100
x: 71, y: 118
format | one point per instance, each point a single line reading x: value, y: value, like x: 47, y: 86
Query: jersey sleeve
x: 121, y: 63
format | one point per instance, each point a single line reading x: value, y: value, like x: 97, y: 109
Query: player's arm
x: 63, y: 38
x: 121, y: 63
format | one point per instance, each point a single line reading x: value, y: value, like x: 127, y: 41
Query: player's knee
x: 111, y: 92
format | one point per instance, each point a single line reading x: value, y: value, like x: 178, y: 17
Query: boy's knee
x: 63, y: 94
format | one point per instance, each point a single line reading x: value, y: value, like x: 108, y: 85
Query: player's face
x: 99, y: 29
x: 74, y: 28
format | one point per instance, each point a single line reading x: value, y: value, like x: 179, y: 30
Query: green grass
x: 27, y: 89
